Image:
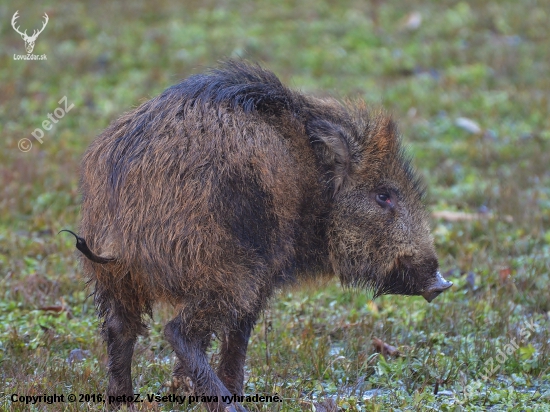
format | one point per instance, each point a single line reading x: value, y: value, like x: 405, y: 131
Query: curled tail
x: 83, y: 247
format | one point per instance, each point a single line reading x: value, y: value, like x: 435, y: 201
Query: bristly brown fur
x: 228, y: 186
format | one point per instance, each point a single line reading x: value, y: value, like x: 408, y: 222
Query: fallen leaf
x: 468, y: 124
x: 78, y: 355
x: 412, y: 21
x: 504, y: 274
x: 384, y: 348
x: 451, y: 216
x: 57, y: 309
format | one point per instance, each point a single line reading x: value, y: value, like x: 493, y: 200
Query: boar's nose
x: 436, y: 288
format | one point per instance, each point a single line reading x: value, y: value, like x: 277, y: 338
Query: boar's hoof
x: 440, y: 285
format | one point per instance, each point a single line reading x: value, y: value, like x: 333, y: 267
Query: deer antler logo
x: 29, y: 40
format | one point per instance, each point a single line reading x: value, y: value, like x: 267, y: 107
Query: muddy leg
x: 233, y: 356
x: 120, y: 330
x: 180, y: 380
x: 193, y: 363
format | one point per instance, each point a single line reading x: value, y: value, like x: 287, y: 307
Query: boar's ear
x: 384, y: 139
x: 331, y: 146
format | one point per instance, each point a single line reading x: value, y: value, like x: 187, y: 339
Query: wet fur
x: 225, y: 188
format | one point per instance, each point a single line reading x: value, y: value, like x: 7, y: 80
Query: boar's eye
x: 384, y: 199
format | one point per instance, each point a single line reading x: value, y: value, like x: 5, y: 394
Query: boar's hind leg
x: 193, y: 363
x: 181, y: 380
x: 120, y: 330
x: 233, y: 355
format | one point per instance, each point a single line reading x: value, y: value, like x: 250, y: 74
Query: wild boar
x: 227, y: 187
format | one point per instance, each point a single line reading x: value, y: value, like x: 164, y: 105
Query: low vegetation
x: 468, y: 84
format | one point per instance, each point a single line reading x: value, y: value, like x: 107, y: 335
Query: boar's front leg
x: 233, y: 356
x: 193, y: 363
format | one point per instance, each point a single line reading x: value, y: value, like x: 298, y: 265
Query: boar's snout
x: 439, y: 285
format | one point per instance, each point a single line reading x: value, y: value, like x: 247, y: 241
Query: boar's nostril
x: 440, y: 285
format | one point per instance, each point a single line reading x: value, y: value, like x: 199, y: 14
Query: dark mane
x: 238, y: 84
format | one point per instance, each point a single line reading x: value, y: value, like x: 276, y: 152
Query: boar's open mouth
x: 405, y: 282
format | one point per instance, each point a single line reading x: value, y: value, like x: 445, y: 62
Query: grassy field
x: 468, y: 83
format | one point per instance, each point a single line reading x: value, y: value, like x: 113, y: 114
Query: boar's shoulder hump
x: 237, y: 84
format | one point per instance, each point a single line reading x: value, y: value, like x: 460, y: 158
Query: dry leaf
x: 412, y: 21
x: 78, y: 355
x: 468, y: 124
x: 504, y: 274
x: 57, y: 309
x: 384, y: 348
x: 451, y: 216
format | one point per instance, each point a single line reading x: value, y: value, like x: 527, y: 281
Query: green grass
x: 486, y: 60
